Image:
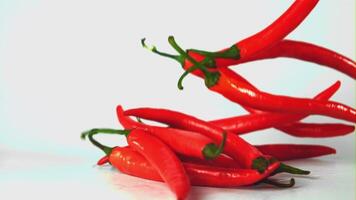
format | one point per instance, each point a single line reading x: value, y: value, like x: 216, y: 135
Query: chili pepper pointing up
x: 302, y: 51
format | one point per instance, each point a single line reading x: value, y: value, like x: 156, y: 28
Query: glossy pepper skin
x: 316, y: 130
x: 199, y: 146
x: 242, y: 93
x: 163, y: 160
x: 302, y: 51
x: 222, y: 82
x: 244, y: 153
x: 295, y: 151
x: 282, y: 152
x: 276, y: 31
x: 258, y: 120
x: 133, y: 163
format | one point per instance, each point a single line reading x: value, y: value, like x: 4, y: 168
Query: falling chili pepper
x: 284, y: 122
x: 267, y: 37
x: 244, y: 153
x: 302, y: 51
x: 221, y: 82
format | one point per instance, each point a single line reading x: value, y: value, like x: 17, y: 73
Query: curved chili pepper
x: 244, y: 94
x: 170, y: 168
x: 267, y: 37
x: 235, y: 146
x: 133, y: 163
x: 282, y: 152
x: 316, y: 130
x: 295, y: 151
x: 302, y: 51
x: 278, y: 30
x: 260, y: 120
x: 283, y: 121
x: 198, y: 146
x: 245, y: 154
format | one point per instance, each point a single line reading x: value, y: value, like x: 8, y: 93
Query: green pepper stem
x: 212, y: 151
x: 260, y: 164
x: 153, y: 49
x: 289, y: 169
x: 231, y: 53
x: 107, y: 150
x: 280, y: 184
x: 211, y: 78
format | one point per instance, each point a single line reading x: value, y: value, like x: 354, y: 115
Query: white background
x: 65, y: 65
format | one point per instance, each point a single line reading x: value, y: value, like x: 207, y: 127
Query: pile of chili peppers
x: 191, y: 151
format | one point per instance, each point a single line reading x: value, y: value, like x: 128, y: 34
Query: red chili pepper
x: 245, y: 154
x: 163, y: 160
x: 282, y: 152
x: 235, y: 146
x: 296, y: 129
x: 316, y: 130
x: 261, y: 120
x: 278, y: 30
x: 198, y: 146
x: 134, y: 163
x: 302, y: 51
x: 266, y: 38
x: 295, y: 151
x: 242, y: 93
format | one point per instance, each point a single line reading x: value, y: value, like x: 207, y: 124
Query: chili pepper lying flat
x: 170, y: 167
x: 199, y: 146
x: 244, y: 153
x: 239, y: 149
x: 133, y: 163
x: 282, y: 152
x: 316, y: 130
x: 151, y: 148
x: 302, y: 51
